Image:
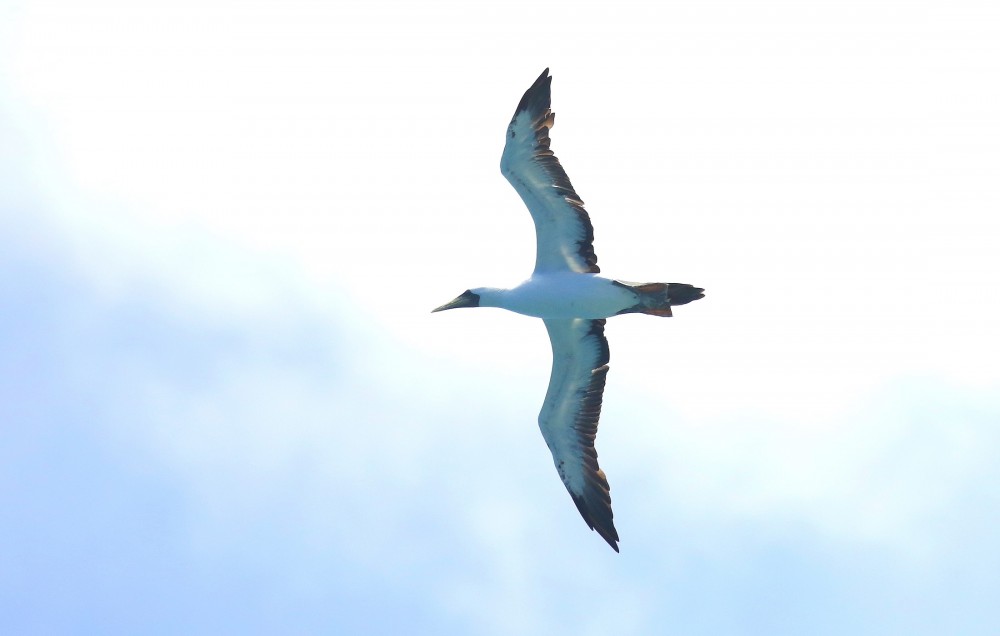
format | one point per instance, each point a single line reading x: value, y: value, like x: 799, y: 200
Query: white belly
x: 568, y: 295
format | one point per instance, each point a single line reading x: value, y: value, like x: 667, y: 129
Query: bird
x: 574, y: 301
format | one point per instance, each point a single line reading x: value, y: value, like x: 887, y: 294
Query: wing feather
x: 563, y: 232
x: 570, y: 414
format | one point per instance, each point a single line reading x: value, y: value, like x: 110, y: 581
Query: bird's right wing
x: 563, y: 233
x: 569, y: 416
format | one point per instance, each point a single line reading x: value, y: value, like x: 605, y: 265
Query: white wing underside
x: 570, y: 414
x: 563, y: 232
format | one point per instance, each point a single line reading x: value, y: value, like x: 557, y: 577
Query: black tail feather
x: 682, y: 293
x: 657, y: 298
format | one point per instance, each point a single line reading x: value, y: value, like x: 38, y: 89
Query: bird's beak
x: 468, y: 299
x: 455, y: 304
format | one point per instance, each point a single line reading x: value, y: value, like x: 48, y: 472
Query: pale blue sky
x: 226, y: 408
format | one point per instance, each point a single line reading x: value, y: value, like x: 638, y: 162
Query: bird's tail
x: 656, y: 299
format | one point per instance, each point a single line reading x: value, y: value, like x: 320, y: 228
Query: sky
x: 226, y: 408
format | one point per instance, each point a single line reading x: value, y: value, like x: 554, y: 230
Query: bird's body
x: 562, y: 295
x: 566, y: 291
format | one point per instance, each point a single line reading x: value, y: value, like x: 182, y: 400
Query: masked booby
x: 573, y: 301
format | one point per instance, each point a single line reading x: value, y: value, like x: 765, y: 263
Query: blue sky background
x: 225, y: 407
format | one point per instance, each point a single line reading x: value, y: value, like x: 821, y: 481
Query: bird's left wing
x: 563, y: 233
x: 570, y: 413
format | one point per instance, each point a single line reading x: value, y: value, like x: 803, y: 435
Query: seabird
x: 566, y: 291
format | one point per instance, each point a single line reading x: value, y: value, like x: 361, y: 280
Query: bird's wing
x: 564, y: 235
x: 570, y: 413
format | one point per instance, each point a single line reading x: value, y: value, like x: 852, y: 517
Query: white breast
x: 562, y: 295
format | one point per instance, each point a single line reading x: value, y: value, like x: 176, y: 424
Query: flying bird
x: 566, y: 291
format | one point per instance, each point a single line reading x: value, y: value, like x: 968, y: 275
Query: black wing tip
x: 602, y: 523
x: 544, y: 77
x: 538, y: 97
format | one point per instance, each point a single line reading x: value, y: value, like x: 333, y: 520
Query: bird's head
x: 467, y: 299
